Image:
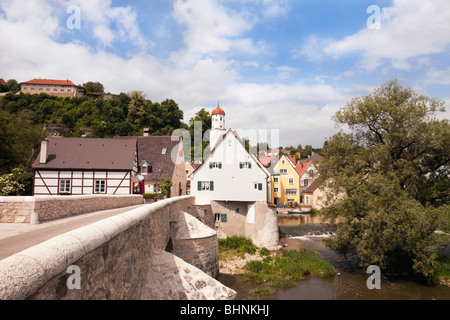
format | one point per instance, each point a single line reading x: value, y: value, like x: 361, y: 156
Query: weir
x: 123, y: 258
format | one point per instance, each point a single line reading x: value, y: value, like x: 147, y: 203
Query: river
x: 350, y: 282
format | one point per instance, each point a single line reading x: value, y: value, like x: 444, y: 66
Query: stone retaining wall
x: 120, y: 258
x: 196, y: 244
x: 44, y: 208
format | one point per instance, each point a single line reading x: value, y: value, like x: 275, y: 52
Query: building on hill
x: 235, y: 184
x: 59, y: 88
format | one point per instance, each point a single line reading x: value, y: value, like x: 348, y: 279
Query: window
x: 283, y: 171
x: 187, y: 172
x: 258, y: 186
x: 217, y: 217
x: 283, y: 162
x: 311, y: 173
x: 291, y: 180
x: 64, y: 186
x: 164, y: 151
x: 291, y: 192
x: 247, y: 165
x: 307, y: 200
x: 215, y: 165
x: 205, y: 186
x: 100, y: 186
x: 305, y: 183
x: 275, y: 180
x: 276, y: 190
x: 144, y: 169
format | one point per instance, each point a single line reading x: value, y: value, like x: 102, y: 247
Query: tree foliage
x: 387, y: 179
x: 93, y: 87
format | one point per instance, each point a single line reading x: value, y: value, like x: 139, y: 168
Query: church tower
x: 217, y: 126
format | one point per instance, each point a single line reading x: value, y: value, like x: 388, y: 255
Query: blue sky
x: 284, y: 65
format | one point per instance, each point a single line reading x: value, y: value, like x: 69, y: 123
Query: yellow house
x: 286, y: 182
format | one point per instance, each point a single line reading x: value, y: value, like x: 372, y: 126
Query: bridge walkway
x: 16, y: 237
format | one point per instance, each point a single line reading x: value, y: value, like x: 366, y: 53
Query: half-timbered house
x: 80, y: 166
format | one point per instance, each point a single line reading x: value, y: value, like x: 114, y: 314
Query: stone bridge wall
x: 121, y: 258
x: 44, y: 208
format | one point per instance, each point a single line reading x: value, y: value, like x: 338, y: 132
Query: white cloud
x: 409, y: 30
x: 275, y: 8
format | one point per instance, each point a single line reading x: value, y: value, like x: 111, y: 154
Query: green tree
x: 93, y: 87
x: 137, y: 107
x: 13, y: 86
x: 387, y: 179
x: 165, y: 186
x: 204, y: 118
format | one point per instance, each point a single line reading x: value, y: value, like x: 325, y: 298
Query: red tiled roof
x: 292, y: 158
x: 218, y: 110
x: 301, y: 167
x: 2, y: 81
x: 51, y: 82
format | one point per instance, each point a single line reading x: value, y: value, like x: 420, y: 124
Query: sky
x: 279, y: 66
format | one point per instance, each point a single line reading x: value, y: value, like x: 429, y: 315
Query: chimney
x: 44, y: 147
x: 146, y: 132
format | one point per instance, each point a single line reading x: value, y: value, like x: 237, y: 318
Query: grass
x: 288, y: 268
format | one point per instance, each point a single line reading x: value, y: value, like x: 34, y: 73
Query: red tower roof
x: 218, y: 111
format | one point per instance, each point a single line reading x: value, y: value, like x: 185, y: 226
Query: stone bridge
x: 158, y: 251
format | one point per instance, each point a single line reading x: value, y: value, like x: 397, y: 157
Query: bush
x: 148, y: 196
x: 241, y: 244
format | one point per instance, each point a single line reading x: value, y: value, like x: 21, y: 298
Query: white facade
x: 230, y: 173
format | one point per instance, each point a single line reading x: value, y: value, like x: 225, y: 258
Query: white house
x: 235, y: 184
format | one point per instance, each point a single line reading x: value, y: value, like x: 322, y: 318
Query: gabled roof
x: 313, y: 187
x: 301, y: 167
x: 222, y: 138
x: 150, y: 149
x: 88, y: 154
x: 51, y: 82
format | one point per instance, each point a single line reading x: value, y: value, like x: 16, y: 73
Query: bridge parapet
x: 115, y: 259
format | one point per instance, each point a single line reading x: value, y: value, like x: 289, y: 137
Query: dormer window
x: 145, y: 167
x: 164, y: 151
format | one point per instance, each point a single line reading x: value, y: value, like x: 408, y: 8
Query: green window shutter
x: 210, y: 165
x: 260, y: 186
x: 223, y: 217
x: 220, y: 165
x: 249, y: 165
x: 211, y: 186
x: 199, y: 186
x: 241, y: 165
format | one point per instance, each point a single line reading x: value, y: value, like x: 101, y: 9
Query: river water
x: 350, y: 282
